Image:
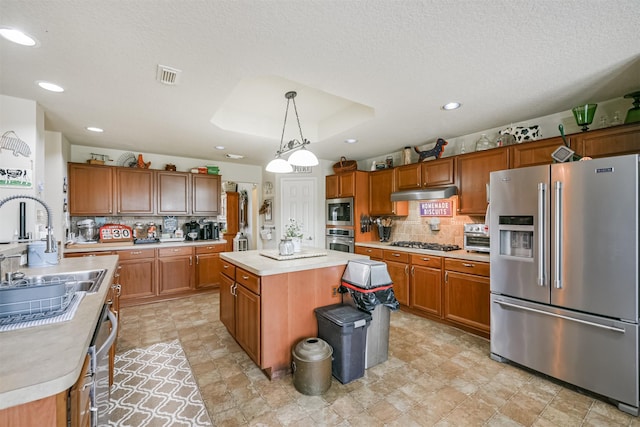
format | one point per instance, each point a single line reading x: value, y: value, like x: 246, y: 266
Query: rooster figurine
x: 141, y: 163
x: 435, y: 152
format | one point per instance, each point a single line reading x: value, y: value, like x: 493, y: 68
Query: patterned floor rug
x: 154, y: 387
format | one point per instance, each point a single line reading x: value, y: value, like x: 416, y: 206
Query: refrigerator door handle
x: 542, y: 232
x: 557, y: 242
x: 573, y: 319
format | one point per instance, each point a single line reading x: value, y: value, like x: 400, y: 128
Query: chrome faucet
x: 51, y: 243
x: 10, y: 276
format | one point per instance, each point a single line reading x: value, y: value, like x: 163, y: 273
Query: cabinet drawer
x: 209, y: 249
x: 87, y: 254
x: 396, y: 256
x: 136, y: 254
x: 228, y: 269
x: 374, y: 253
x: 426, y: 260
x: 464, y: 266
x: 248, y: 280
x: 181, y: 251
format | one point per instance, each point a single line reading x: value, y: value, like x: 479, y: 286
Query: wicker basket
x: 345, y: 165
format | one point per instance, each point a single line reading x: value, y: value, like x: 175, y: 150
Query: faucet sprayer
x: 51, y: 246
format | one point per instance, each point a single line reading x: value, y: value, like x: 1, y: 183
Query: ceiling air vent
x: 168, y: 75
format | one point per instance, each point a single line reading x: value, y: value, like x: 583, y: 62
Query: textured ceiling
x: 505, y: 60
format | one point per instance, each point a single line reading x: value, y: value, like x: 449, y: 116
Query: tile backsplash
x: 414, y: 227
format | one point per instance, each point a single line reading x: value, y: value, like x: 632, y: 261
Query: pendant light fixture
x: 301, y: 157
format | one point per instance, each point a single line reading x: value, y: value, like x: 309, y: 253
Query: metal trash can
x: 369, y: 288
x: 345, y: 328
x: 311, y: 366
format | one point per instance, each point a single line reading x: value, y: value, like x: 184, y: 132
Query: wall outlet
x: 334, y: 291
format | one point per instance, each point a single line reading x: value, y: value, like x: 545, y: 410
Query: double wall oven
x: 340, y: 220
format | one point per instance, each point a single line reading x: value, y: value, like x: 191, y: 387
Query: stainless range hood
x: 424, y: 194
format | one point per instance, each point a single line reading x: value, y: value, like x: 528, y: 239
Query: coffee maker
x: 191, y: 230
x: 206, y: 231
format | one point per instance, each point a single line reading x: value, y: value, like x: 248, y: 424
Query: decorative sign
x: 436, y: 208
x: 115, y: 233
x: 16, y: 178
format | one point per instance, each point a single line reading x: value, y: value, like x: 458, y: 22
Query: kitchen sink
x: 88, y: 281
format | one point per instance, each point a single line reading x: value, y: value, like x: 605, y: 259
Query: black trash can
x: 368, y: 287
x: 345, y: 328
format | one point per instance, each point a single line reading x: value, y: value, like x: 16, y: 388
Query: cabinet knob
x: 136, y: 252
x: 395, y: 254
x: 426, y: 259
x: 466, y: 264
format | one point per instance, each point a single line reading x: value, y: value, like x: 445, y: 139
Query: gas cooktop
x: 425, y: 245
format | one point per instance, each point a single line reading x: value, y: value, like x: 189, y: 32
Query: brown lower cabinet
x: 466, y: 294
x: 448, y: 290
x: 207, y: 266
x: 70, y: 408
x: 175, y: 270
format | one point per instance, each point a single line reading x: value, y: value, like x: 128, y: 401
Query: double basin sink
x: 46, y: 293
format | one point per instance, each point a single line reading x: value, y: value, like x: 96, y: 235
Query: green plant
x: 293, y: 229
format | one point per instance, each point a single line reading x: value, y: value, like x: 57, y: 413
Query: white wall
x: 56, y: 152
x: 26, y: 119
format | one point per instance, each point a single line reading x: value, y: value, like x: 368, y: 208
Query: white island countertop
x: 262, y: 265
x: 41, y: 361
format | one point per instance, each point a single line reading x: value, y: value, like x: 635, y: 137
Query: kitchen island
x: 268, y: 305
x: 41, y: 363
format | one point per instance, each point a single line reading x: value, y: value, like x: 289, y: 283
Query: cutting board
x: 275, y: 254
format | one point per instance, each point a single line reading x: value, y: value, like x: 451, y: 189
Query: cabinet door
x: 248, y: 321
x: 399, y: 273
x: 409, y: 177
x: 473, y: 178
x: 90, y: 190
x: 533, y: 153
x: 175, y: 273
x: 614, y: 141
x: 331, y: 187
x: 207, y: 270
x: 137, y: 278
x: 233, y: 215
x: 438, y: 172
x: 173, y: 193
x: 381, y: 185
x: 466, y: 300
x: 205, y: 197
x: 134, y: 191
x: 228, y: 304
x: 347, y: 184
x: 373, y: 253
x: 426, y: 289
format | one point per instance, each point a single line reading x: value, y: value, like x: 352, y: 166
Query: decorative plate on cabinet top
x: 127, y: 160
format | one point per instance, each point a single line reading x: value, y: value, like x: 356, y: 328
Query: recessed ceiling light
x: 219, y: 147
x: 49, y: 86
x: 451, y: 106
x: 18, y: 37
x: 94, y: 129
x: 351, y: 141
x: 234, y: 156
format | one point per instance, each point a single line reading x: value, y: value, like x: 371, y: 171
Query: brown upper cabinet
x: 109, y: 190
x: 613, y: 141
x: 473, y: 178
x: 381, y: 184
x: 432, y: 173
x: 134, y: 191
x: 341, y: 185
x: 183, y: 193
x: 534, y: 153
x: 90, y: 189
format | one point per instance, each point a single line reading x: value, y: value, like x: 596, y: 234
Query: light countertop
x: 261, y: 265
x: 41, y: 361
x: 97, y: 247
x: 460, y: 254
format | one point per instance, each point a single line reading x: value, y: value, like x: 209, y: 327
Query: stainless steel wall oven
x: 340, y: 239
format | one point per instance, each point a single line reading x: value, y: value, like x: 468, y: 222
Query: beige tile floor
x: 436, y: 375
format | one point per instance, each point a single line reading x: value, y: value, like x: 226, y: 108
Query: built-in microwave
x: 339, y: 211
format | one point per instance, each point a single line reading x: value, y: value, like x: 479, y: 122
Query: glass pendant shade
x: 303, y: 157
x: 279, y: 165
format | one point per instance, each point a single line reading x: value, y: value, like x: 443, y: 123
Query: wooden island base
x: 269, y: 314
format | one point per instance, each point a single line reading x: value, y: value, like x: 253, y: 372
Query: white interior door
x: 299, y: 202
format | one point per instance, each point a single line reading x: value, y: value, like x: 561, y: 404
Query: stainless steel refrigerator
x: 564, y: 273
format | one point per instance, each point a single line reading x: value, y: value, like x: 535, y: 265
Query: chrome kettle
x: 285, y: 247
